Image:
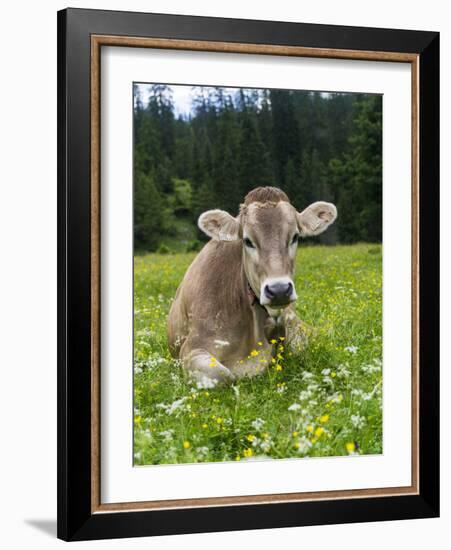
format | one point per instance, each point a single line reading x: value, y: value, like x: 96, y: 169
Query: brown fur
x: 265, y: 194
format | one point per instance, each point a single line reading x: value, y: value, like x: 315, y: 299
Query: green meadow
x: 324, y: 401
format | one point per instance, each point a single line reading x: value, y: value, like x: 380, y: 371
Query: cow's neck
x: 273, y: 326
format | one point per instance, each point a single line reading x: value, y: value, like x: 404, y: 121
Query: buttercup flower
x: 319, y: 431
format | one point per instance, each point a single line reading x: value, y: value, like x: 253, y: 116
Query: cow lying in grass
x: 238, y: 294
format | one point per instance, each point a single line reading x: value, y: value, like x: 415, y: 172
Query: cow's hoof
x: 219, y: 376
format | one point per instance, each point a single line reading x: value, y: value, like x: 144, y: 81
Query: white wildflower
x: 304, y: 395
x: 351, y: 349
x: 170, y: 409
x: 358, y: 421
x: 202, y: 452
x: 167, y: 435
x: 371, y: 368
x: 257, y: 424
x: 343, y: 371
x: 206, y: 383
x: 335, y: 398
x: 294, y: 407
x: 303, y: 445
x: 360, y: 393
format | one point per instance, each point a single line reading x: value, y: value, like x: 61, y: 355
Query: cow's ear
x: 316, y: 218
x: 219, y: 225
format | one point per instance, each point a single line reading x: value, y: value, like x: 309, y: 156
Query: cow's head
x: 270, y: 229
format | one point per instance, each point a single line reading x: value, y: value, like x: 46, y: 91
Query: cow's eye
x: 248, y: 243
x: 295, y: 238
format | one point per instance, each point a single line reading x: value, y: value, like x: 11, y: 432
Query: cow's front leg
x: 296, y: 330
x: 204, y: 369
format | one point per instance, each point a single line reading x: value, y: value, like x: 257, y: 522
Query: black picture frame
x: 76, y: 521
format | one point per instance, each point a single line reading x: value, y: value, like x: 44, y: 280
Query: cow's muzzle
x: 277, y: 293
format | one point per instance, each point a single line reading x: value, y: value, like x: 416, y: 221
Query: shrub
x: 163, y: 249
x: 194, y: 246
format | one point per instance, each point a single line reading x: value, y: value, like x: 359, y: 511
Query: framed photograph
x: 248, y: 274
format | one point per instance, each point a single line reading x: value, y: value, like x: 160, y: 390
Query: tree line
x: 313, y: 145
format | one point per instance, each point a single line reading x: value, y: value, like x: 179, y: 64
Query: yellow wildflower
x: 260, y: 343
x: 278, y: 367
x: 186, y: 445
x: 281, y: 338
x: 324, y: 418
x: 138, y: 419
x: 254, y: 353
x: 295, y: 434
x: 248, y: 452
x: 273, y: 360
x: 237, y: 457
x: 319, y: 431
x: 350, y: 447
x: 273, y: 341
x: 219, y: 420
x: 250, y: 437
x: 333, y: 374
x: 309, y: 428
x: 204, y: 426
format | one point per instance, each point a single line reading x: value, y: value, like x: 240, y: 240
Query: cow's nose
x: 279, y: 293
